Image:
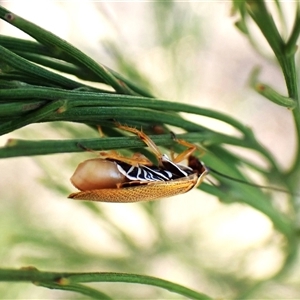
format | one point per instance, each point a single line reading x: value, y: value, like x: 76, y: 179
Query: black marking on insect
x: 166, y: 172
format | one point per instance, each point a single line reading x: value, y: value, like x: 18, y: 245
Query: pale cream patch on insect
x: 97, y: 173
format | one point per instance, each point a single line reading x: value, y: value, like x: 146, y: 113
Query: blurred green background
x: 189, y: 52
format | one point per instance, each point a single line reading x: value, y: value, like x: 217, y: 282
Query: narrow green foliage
x: 70, y: 281
x: 32, y: 92
x: 274, y: 96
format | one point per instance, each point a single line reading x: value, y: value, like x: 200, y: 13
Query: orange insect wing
x: 147, y: 192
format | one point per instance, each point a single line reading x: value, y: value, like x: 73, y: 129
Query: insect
x: 116, y: 178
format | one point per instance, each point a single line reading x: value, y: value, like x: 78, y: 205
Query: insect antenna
x: 210, y: 181
x: 251, y: 184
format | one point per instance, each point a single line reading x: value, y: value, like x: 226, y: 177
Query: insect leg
x: 85, y: 148
x: 100, y: 131
x: 135, y: 160
x: 185, y: 154
x: 146, y: 139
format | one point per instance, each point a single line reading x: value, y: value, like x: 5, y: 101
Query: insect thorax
x: 166, y: 172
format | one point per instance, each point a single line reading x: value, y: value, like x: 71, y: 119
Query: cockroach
x: 115, y: 178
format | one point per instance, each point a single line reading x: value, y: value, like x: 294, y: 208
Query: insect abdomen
x: 147, y: 192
